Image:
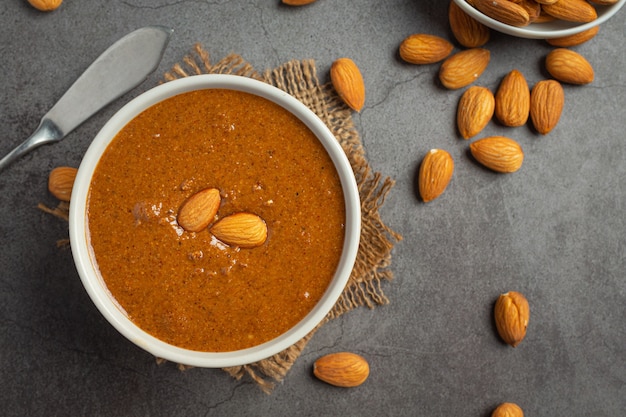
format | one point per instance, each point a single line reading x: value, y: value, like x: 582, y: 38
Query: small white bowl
x: 548, y: 30
x: 87, y: 268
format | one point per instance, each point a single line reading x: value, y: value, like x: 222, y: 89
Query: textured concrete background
x: 555, y: 230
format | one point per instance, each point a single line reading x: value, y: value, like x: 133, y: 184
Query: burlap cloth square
x: 299, y: 78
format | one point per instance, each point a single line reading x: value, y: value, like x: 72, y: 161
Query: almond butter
x: 435, y: 174
x: 513, y: 100
x: 475, y: 110
x: 498, y: 153
x: 199, y: 210
x: 463, y: 68
x: 61, y: 182
x: 504, y: 11
x: 507, y: 410
x: 575, y: 39
x: 546, y: 105
x: 468, y: 31
x: 342, y: 369
x: 569, y: 67
x: 245, y: 230
x: 511, y: 314
x: 348, y: 82
x: 45, y: 5
x: 422, y: 48
x: 571, y: 10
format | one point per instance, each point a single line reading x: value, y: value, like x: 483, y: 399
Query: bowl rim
x: 542, y: 30
x: 87, y: 269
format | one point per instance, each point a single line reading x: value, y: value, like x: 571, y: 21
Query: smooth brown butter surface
x: 189, y: 289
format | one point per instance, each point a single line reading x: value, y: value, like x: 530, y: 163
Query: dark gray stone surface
x: 555, y: 230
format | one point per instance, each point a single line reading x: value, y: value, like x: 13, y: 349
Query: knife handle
x: 47, y: 132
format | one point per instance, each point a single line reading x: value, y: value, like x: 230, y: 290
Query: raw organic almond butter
x: 45, y: 5
x: 435, y: 174
x: 569, y: 67
x: 575, y: 39
x: 498, y: 153
x: 546, y: 105
x: 463, y: 68
x: 504, y: 11
x: 508, y: 410
x: 199, y: 210
x: 348, y: 82
x: 571, y: 10
x: 475, y: 110
x: 422, y: 48
x: 511, y: 314
x: 245, y: 230
x: 513, y: 100
x: 468, y: 31
x: 61, y: 182
x: 342, y: 369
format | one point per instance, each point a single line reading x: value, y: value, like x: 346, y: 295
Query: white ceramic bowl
x: 96, y: 287
x: 548, y: 30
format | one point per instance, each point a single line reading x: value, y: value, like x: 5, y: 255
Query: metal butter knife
x: 122, y: 67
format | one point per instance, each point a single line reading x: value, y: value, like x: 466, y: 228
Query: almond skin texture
x: 422, y: 49
x: 513, y: 100
x: 511, y: 314
x: 348, y: 82
x: 507, y: 410
x: 342, y: 369
x: 199, y: 210
x: 504, y: 11
x: 463, y: 68
x: 475, y: 110
x: 569, y: 67
x: 245, y: 230
x: 435, y: 174
x: 61, y: 182
x: 498, y: 153
x: 576, y: 39
x: 546, y: 105
x: 45, y: 5
x: 571, y: 10
x: 468, y: 31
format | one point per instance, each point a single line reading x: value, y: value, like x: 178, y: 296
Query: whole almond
x: 245, y: 230
x: 532, y: 8
x: 342, y: 369
x: 511, y: 314
x: 435, y: 174
x: 475, y: 110
x: 421, y: 48
x: 45, y: 5
x: 504, y: 11
x: 463, y: 68
x: 468, y: 31
x: 546, y: 1
x: 604, y: 2
x: 507, y: 410
x: 571, y: 10
x: 546, y: 105
x: 498, y: 153
x: 569, y: 67
x: 348, y: 82
x: 513, y: 100
x: 61, y: 182
x: 199, y: 210
x: 575, y: 39
x: 297, y: 2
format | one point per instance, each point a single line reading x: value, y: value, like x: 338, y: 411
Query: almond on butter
x: 508, y: 410
x: 575, y: 39
x: 342, y: 369
x: 422, y: 48
x: 435, y: 174
x: 468, y: 31
x: 513, y: 100
x: 463, y: 68
x: 474, y: 111
x: 61, y: 182
x: 498, y: 153
x: 199, y: 210
x: 546, y: 105
x: 511, y: 314
x: 569, y: 67
x: 245, y: 230
x: 571, y: 10
x: 504, y: 11
x: 348, y: 82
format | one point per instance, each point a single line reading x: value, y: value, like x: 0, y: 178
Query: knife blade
x: 119, y: 69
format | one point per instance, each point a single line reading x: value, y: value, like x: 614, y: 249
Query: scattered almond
x: 342, y: 369
x: 511, y: 314
x: 546, y: 104
x: 569, y: 67
x: 61, y: 182
x: 498, y: 153
x: 468, y: 31
x: 297, y: 2
x: 45, y: 5
x: 507, y: 410
x: 199, y: 210
x: 475, y: 110
x: 576, y: 39
x: 422, y: 48
x: 463, y: 68
x: 571, y: 10
x: 245, y: 230
x: 513, y: 100
x: 504, y: 11
x: 435, y: 174
x: 348, y: 82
